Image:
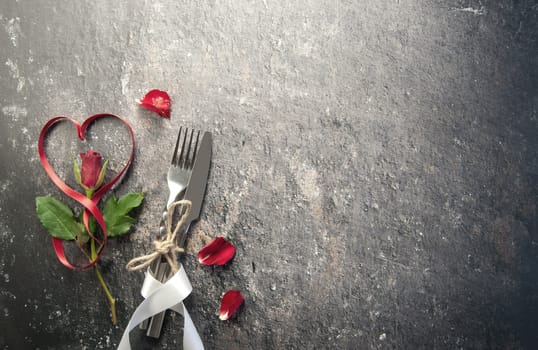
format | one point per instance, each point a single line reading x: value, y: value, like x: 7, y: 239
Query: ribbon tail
x: 191, y: 338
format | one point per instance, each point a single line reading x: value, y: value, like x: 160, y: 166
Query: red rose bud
x: 218, y: 252
x: 231, y: 301
x: 92, y: 174
x: 91, y: 167
x: 157, y: 101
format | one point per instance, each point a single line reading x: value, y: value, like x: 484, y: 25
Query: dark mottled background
x: 375, y: 164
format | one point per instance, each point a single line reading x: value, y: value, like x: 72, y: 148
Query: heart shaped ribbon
x: 89, y: 204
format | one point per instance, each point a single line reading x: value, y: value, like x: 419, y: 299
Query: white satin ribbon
x: 158, y: 298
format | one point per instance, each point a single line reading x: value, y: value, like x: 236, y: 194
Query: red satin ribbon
x: 89, y: 204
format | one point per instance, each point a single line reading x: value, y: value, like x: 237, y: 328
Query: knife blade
x: 195, y: 193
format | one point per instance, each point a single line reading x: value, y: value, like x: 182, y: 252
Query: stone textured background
x: 375, y: 164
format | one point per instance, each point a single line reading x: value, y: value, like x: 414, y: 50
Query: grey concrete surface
x: 374, y: 163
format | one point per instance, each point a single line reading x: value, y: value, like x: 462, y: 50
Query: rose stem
x: 109, y: 296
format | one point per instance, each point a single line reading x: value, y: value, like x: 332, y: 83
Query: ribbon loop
x: 160, y: 297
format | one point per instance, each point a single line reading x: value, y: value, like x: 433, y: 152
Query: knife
x: 195, y: 193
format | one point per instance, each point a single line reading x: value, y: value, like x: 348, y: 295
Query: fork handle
x: 155, y: 323
x: 155, y: 268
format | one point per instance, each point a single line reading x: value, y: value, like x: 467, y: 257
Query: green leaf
x: 92, y: 224
x: 130, y: 201
x: 58, y: 218
x: 83, y: 237
x: 102, y: 173
x: 115, y: 213
x: 120, y: 225
x: 76, y: 170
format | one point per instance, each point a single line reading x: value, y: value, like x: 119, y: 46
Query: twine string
x: 166, y: 247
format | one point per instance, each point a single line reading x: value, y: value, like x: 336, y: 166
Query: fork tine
x: 185, y: 162
x: 174, y: 156
x: 195, y: 151
x: 182, y: 155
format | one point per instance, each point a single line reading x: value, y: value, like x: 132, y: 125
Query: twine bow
x: 166, y: 247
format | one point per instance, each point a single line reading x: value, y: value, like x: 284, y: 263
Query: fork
x: 178, y: 176
x: 180, y: 169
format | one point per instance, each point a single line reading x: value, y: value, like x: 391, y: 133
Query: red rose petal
x: 91, y: 168
x: 231, y: 300
x: 157, y: 101
x: 218, y: 252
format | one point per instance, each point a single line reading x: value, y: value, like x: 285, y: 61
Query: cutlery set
x: 187, y: 179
